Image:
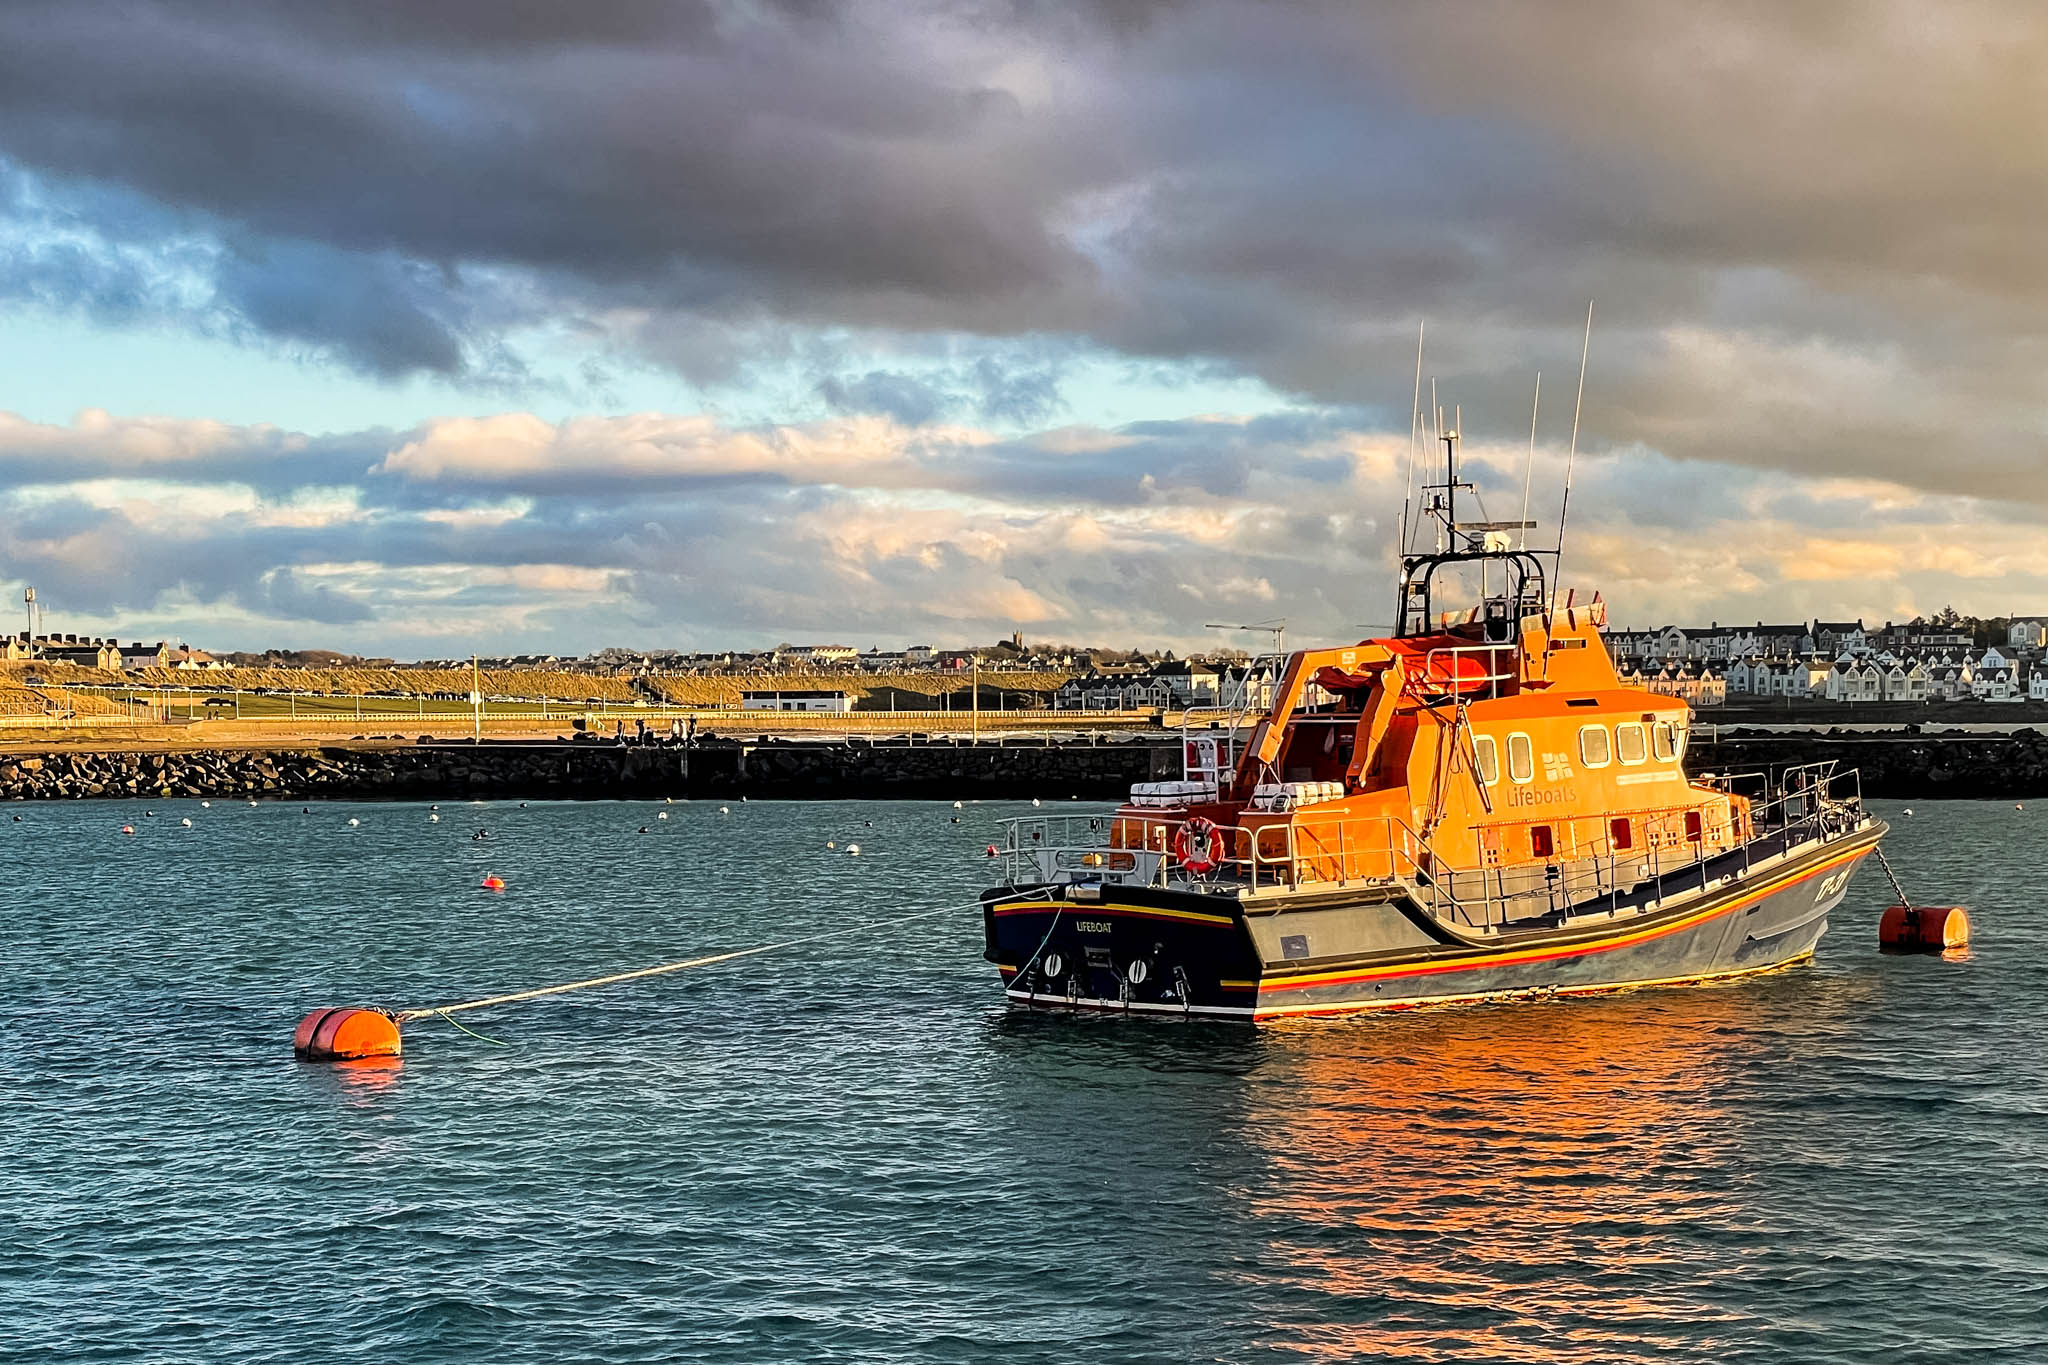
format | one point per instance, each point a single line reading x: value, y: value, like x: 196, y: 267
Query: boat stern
x: 1081, y: 946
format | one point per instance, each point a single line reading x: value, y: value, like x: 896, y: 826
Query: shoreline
x: 1895, y: 764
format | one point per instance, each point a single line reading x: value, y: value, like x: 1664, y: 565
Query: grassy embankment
x: 430, y: 692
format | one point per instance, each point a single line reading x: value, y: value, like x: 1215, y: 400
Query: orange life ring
x: 1199, y: 845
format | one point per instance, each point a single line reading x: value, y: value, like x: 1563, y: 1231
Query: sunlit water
x: 852, y: 1151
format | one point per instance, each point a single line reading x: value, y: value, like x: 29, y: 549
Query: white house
x: 2037, y: 683
x: 1837, y: 638
x: 1853, y: 680
x: 1949, y: 679
x: 1904, y: 680
x: 2027, y: 632
x: 795, y: 700
x: 1996, y: 678
x: 1749, y: 677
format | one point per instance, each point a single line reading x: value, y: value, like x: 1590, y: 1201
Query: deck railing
x: 1810, y: 802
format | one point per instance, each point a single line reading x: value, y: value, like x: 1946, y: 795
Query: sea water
x: 852, y: 1150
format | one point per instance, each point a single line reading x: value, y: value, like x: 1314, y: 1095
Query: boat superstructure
x: 1474, y: 807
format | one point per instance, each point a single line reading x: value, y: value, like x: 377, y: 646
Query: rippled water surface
x: 852, y: 1151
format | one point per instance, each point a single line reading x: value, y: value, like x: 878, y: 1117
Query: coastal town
x: 1804, y: 665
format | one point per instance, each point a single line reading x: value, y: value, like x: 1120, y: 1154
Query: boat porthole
x: 1053, y: 966
x: 1138, y: 971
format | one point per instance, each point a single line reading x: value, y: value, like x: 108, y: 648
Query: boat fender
x: 1199, y: 845
x: 1924, y: 928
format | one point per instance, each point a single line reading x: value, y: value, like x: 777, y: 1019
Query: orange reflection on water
x: 1505, y: 1183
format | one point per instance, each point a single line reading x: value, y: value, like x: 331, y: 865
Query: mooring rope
x: 1891, y: 876
x: 407, y: 1016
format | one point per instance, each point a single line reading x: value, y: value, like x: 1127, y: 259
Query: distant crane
x: 1277, y: 627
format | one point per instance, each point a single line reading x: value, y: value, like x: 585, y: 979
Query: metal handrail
x: 1294, y: 852
x: 1492, y: 680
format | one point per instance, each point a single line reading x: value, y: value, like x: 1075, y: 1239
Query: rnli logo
x: 1557, y: 767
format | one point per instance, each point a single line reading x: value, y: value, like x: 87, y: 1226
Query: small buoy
x: 305, y: 810
x: 436, y: 806
x: 345, y: 1034
x: 1034, y: 800
x: 493, y: 882
x: 957, y: 806
x: 643, y: 829
x: 433, y: 819
x: 853, y: 850
x: 991, y: 850
x: 723, y: 811
x: 661, y: 815
x: 867, y: 824
x: 668, y: 800
x: 956, y: 819
x: 353, y: 822
x: 522, y: 805
x: 1923, y: 928
x: 206, y: 805
x: 127, y: 829
x: 744, y: 799
x: 252, y: 803
x: 831, y: 843
x: 1909, y: 810
x: 2017, y: 806
x: 17, y: 819
x: 149, y: 814
x: 187, y: 822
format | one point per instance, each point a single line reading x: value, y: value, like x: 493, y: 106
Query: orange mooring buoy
x: 1924, y: 928
x: 345, y: 1034
x: 493, y: 882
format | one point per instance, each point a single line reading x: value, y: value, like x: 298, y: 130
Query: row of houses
x: 92, y: 652
x: 1993, y: 676
x: 1830, y: 639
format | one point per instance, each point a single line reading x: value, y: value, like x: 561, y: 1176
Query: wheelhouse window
x: 1678, y: 731
x: 1631, y: 746
x: 1661, y: 739
x: 1521, y: 758
x: 1486, y: 759
x: 1595, y: 751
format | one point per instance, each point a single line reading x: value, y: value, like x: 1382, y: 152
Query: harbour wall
x: 1904, y: 765
x: 598, y: 771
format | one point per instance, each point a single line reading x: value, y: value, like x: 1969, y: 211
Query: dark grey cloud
x: 1812, y: 229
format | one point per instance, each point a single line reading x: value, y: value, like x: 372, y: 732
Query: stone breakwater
x: 598, y: 771
x: 1910, y: 766
x: 1906, y: 766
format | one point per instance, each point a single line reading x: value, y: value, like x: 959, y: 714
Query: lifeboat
x: 1476, y: 807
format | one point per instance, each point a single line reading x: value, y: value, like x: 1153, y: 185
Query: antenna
x: 1414, y: 427
x: 1529, y: 468
x: 1566, y: 507
x: 1436, y: 426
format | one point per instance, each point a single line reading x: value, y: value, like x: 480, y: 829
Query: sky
x: 510, y: 325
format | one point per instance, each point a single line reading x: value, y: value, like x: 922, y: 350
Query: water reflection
x: 1530, y: 1182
